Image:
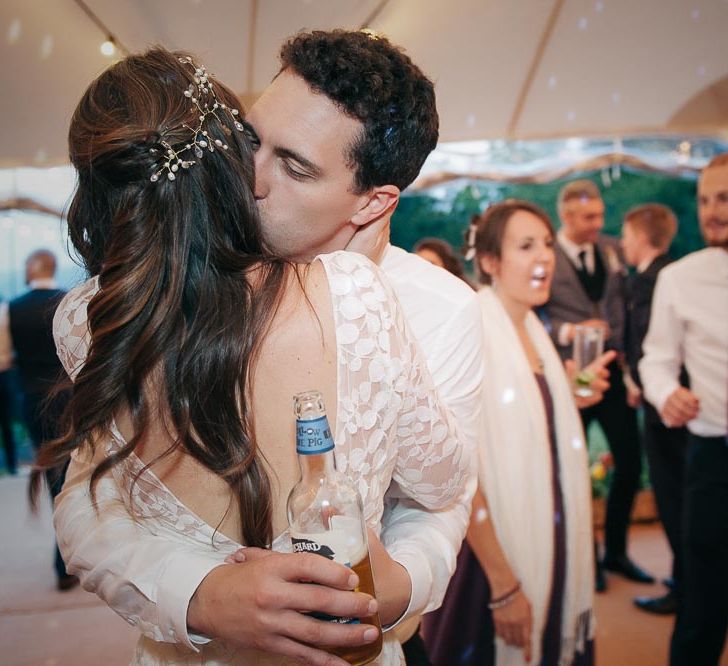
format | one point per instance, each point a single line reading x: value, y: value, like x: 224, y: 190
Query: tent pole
x: 528, y: 81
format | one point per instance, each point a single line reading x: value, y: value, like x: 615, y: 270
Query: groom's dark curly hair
x: 375, y: 82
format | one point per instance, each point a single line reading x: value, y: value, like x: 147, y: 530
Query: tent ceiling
x: 503, y: 68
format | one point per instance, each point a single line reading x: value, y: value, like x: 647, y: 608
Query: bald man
x: 31, y: 331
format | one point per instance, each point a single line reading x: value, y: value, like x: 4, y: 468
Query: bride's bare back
x: 297, y: 354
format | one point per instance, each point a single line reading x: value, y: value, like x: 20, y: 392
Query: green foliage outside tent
x: 444, y: 211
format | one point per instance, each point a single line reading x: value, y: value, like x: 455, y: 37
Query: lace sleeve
x: 390, y: 417
x: 70, y: 327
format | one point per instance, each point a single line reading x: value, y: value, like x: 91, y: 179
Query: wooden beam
x: 27, y: 204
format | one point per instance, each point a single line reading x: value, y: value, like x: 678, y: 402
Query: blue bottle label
x: 313, y: 436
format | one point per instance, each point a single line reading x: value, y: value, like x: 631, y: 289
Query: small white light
x: 108, y: 48
x: 577, y: 443
x: 583, y: 23
x: 508, y: 395
x: 14, y: 30
x: 46, y: 47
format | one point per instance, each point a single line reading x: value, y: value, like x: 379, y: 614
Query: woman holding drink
x: 522, y: 592
x: 189, y: 341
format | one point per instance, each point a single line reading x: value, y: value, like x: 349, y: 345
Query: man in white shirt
x: 30, y: 332
x: 689, y: 325
x: 334, y: 147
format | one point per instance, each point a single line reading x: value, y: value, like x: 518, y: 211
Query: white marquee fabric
x: 504, y: 69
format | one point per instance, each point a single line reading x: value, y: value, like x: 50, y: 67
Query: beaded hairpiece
x: 205, y: 103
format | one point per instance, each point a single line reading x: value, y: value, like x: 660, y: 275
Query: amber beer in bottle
x: 325, y: 514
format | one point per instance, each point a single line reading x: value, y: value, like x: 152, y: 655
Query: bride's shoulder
x: 350, y: 273
x: 70, y: 326
x: 74, y: 304
x: 346, y: 261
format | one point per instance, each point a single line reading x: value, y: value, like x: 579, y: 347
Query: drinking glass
x: 588, y: 346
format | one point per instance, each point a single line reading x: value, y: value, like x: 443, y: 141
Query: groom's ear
x: 375, y: 204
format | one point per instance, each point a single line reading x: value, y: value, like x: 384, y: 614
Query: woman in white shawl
x: 522, y: 593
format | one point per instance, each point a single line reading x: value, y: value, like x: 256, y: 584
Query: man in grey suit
x: 588, y: 288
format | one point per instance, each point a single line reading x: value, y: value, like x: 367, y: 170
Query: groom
x: 344, y: 127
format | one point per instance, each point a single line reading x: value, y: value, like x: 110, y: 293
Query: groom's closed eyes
x: 295, y: 164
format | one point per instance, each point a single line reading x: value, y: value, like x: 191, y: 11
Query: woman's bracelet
x: 505, y: 599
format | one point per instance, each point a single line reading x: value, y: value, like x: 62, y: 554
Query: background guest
x: 647, y: 233
x: 7, y: 393
x: 30, y: 323
x: 527, y: 558
x: 587, y: 288
x: 688, y: 325
x: 440, y: 253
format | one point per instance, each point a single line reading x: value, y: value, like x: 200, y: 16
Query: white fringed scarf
x: 515, y: 472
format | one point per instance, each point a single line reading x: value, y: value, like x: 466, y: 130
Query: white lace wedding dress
x: 390, y: 426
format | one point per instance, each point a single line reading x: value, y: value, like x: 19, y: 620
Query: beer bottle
x: 325, y: 514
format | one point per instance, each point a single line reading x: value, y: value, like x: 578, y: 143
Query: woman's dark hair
x: 375, y: 82
x: 187, y: 287
x: 490, y: 229
x: 450, y: 261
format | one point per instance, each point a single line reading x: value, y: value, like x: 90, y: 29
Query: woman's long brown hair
x: 176, y: 308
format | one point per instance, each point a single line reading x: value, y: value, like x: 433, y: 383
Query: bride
x: 189, y: 341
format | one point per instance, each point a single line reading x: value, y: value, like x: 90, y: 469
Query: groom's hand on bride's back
x: 260, y: 603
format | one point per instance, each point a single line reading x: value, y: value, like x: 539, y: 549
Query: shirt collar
x: 43, y: 283
x: 644, y: 265
x: 571, y: 248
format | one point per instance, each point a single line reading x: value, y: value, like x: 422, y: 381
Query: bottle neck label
x: 313, y: 436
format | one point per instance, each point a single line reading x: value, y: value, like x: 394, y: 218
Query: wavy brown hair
x: 450, y: 261
x: 187, y: 287
x: 490, y: 230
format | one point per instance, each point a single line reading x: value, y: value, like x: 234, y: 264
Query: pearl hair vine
x: 205, y: 104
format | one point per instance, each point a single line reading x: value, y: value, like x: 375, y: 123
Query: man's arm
x: 150, y: 580
x: 426, y: 542
x: 662, y: 357
x: 659, y: 368
x: 6, y: 344
x: 146, y: 579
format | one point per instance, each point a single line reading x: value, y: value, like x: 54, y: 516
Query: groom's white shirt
x: 149, y: 579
